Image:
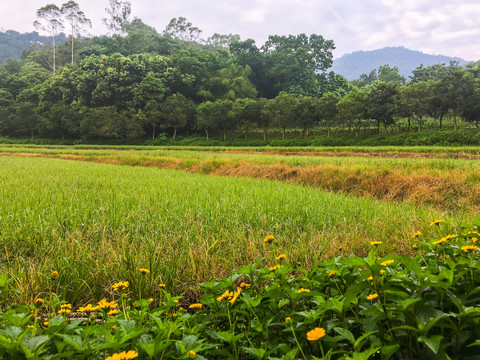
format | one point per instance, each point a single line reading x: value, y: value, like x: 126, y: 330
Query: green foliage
x: 397, y: 306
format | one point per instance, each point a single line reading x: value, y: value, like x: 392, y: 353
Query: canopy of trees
x: 138, y: 82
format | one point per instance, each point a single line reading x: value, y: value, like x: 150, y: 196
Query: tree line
x: 137, y: 82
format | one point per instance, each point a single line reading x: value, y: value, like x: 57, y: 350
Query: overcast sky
x: 433, y: 26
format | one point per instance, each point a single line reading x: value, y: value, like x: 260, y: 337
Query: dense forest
x: 138, y: 82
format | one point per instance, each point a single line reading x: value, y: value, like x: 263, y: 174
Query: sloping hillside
x: 362, y: 62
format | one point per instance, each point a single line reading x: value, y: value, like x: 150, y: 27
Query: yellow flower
x: 226, y: 294
x: 281, y: 257
x: 195, y: 306
x: 414, y: 246
x: 244, y: 285
x: 175, y: 301
x: 30, y: 326
x: 370, y: 278
x: 417, y: 234
x: 144, y: 271
x: 162, y: 285
x: 439, y: 241
x: 64, y: 311
x: 372, y: 296
x: 104, y: 304
x: 112, y: 312
x: 123, y: 355
x: 331, y: 273
x: 88, y: 308
x: 273, y: 268
x: 382, y: 271
x: 54, y: 274
x: 269, y: 239
x: 375, y: 243
x: 302, y: 290
x: 66, y: 306
x: 469, y: 248
x: 235, y: 295
x: 436, y: 222
x: 474, y: 240
x: 388, y: 262
x: 122, y: 285
x: 45, y: 323
x: 191, y: 354
x: 315, y: 334
x: 287, y: 320
x: 39, y: 302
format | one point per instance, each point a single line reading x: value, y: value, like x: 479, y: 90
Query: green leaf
x: 32, y: 343
x: 388, y: 351
x: 12, y: 331
x: 74, y: 341
x: 359, y: 342
x: 432, y: 342
x: 346, y: 334
x: 407, y: 302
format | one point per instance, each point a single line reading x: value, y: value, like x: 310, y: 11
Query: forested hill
x: 13, y: 43
x: 362, y: 62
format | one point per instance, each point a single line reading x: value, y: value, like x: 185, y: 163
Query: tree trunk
x: 385, y: 128
x: 409, y: 123
x: 174, y: 133
x: 304, y: 133
x: 476, y: 124
x: 72, y: 48
x: 441, y: 120
x: 455, y: 120
x: 356, y: 132
x: 378, y: 126
x: 419, y: 124
x: 283, y: 133
x: 53, y: 42
x: 265, y: 134
x: 224, y: 136
x: 206, y: 132
x: 153, y: 133
x: 246, y: 135
x: 328, y: 131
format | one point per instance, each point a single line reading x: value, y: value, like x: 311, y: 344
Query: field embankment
x: 445, y: 180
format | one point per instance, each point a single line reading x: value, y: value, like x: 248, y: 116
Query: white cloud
x: 440, y: 27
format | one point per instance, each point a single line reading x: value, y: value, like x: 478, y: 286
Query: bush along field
x: 393, y: 307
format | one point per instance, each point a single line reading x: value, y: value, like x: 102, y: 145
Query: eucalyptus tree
x: 182, y: 29
x: 119, y: 12
x: 50, y: 20
x: 76, y: 19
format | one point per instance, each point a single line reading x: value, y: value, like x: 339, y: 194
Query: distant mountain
x: 13, y: 43
x: 362, y: 62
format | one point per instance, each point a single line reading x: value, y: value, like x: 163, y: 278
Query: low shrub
x: 393, y: 307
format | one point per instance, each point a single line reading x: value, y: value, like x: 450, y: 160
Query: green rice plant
x: 96, y: 224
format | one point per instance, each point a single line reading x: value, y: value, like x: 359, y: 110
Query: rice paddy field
x: 96, y: 215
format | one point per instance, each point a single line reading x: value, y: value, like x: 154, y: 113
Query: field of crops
x: 149, y: 231
x: 98, y: 223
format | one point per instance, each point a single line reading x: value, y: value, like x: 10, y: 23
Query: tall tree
x: 381, y: 103
x: 76, y: 19
x: 327, y: 109
x: 49, y: 20
x: 175, y: 111
x: 222, y: 40
x: 119, y: 12
x: 182, y: 29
